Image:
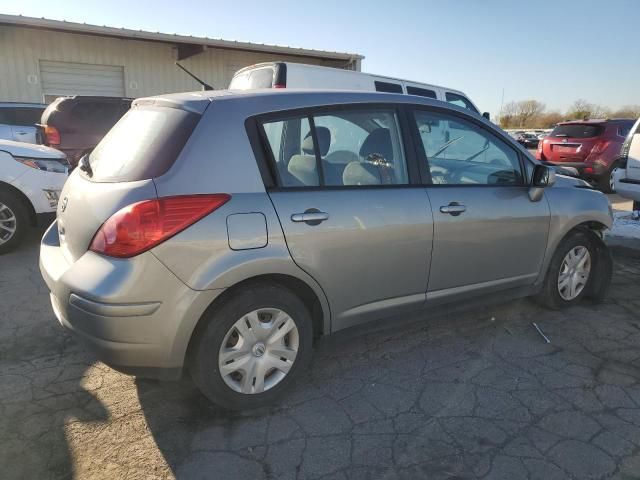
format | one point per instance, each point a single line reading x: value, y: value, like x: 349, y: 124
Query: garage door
x: 64, y: 78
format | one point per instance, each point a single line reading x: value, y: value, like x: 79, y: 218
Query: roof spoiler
x: 205, y: 85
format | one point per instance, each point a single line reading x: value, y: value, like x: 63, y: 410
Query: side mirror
x: 543, y: 176
x: 486, y: 115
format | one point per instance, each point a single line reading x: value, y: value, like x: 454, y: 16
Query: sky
x: 552, y: 51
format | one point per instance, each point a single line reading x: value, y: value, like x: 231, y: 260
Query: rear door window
x: 345, y: 148
x: 461, y: 101
x: 143, y: 144
x: 21, y: 116
x: 388, y: 87
x: 26, y: 116
x: 421, y: 92
x: 577, y: 130
x: 94, y: 116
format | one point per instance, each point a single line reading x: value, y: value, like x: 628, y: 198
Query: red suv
x: 590, y: 146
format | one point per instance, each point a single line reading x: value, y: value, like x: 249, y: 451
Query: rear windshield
x: 257, y: 78
x: 21, y: 116
x: 577, y: 130
x: 91, y: 116
x: 143, y: 144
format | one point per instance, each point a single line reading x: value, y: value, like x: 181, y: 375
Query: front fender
x: 570, y: 208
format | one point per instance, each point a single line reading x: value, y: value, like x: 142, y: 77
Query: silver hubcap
x: 574, y: 272
x: 7, y: 223
x: 258, y: 351
x: 612, y: 184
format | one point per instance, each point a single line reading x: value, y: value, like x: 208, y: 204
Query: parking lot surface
x: 462, y: 395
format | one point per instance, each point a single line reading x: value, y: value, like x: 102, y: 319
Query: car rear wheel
x: 14, y: 221
x: 570, y: 272
x: 252, y: 347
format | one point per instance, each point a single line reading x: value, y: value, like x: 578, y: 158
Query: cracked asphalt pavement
x: 477, y: 394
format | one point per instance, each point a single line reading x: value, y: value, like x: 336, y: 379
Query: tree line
x: 533, y: 114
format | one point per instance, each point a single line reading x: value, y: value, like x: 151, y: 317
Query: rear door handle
x: 312, y: 217
x: 454, y: 208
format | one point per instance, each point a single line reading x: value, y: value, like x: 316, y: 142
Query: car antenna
x: 205, y: 85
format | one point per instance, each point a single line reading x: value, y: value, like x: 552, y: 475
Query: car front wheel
x: 252, y: 347
x: 14, y: 221
x: 570, y: 272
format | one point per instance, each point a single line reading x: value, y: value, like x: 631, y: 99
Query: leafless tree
x: 583, y: 110
x: 628, y: 111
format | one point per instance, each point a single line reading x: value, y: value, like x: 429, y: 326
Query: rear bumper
x: 586, y: 170
x: 133, y: 314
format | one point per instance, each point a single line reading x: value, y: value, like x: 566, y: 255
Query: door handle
x: 311, y: 217
x: 454, y: 208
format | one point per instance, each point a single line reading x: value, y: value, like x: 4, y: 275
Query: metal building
x: 42, y: 59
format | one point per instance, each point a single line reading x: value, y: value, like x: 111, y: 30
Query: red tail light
x: 600, y: 146
x: 279, y: 85
x: 52, y: 135
x: 141, y: 226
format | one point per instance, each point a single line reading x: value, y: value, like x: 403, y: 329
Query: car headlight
x: 55, y: 166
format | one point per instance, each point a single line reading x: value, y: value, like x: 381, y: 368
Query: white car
x: 627, y: 177
x: 18, y: 121
x: 31, y: 178
x: 300, y: 75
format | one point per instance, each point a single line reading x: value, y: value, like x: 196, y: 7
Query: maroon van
x: 75, y: 125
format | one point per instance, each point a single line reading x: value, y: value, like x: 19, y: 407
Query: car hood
x: 21, y: 149
x: 565, y: 181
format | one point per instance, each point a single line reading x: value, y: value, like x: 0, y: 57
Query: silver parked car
x: 219, y: 233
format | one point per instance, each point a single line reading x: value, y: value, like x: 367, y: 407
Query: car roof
x: 22, y: 105
x: 274, y: 99
x: 597, y: 121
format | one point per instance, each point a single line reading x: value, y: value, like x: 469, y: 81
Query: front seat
x: 324, y: 142
x: 377, y: 150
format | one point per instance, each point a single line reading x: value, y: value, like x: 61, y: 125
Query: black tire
x: 18, y: 209
x: 203, y: 362
x: 550, y: 296
x: 605, y: 184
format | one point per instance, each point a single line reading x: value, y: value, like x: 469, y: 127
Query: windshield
x: 577, y: 130
x: 143, y: 144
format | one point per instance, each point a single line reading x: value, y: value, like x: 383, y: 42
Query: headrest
x: 378, y: 141
x: 303, y: 168
x: 324, y: 140
x: 359, y: 173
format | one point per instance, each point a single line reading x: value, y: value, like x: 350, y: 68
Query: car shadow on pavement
x: 46, y: 378
x: 462, y: 395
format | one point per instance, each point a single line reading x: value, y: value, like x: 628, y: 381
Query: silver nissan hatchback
x: 220, y: 233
